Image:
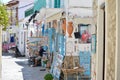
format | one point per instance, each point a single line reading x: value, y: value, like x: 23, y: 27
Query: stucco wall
x: 99, y: 58
x: 21, y: 11
x: 111, y: 39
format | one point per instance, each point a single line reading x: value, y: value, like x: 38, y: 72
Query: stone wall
x: 111, y: 39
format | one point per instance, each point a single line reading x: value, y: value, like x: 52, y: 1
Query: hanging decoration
x: 64, y: 26
x: 70, y: 29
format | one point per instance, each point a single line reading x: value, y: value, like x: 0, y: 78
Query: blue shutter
x: 39, y: 4
x: 56, y: 3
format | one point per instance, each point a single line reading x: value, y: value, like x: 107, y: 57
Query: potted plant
x: 48, y: 76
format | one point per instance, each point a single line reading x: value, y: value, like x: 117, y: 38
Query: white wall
x: 85, y: 3
x: 21, y: 12
x: 49, y: 3
x: 4, y: 36
x: 79, y: 11
x: 21, y: 38
x: 100, y: 2
x: 21, y: 16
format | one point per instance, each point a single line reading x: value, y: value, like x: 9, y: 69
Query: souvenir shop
x: 70, y: 44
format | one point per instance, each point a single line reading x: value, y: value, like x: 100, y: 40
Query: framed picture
x: 76, y: 62
x: 85, y: 62
x: 56, y: 65
x: 85, y: 34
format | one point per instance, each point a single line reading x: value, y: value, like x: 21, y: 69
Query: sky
x: 5, y: 1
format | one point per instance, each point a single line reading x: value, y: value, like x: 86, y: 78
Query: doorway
x: 104, y: 38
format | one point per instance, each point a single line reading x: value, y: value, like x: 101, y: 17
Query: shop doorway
x: 104, y: 38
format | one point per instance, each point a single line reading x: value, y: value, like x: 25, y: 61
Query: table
x: 72, y: 71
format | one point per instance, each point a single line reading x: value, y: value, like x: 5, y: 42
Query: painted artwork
x: 61, y: 44
x: 51, y: 32
x: 56, y: 65
x: 85, y: 58
x: 69, y: 48
x: 85, y: 62
x: 85, y: 33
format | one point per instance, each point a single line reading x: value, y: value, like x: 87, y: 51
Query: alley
x: 60, y: 39
x: 18, y: 69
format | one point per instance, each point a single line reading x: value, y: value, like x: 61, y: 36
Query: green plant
x: 3, y: 16
x: 45, y: 62
x: 48, y: 76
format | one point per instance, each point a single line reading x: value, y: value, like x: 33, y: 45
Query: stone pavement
x: 18, y: 69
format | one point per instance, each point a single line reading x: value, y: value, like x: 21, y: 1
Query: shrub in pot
x: 48, y: 77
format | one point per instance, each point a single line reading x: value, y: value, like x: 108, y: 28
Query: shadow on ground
x: 28, y: 72
x: 31, y: 73
x: 8, y: 54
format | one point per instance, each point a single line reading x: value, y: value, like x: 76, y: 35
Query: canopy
x: 47, y: 12
x: 82, y: 8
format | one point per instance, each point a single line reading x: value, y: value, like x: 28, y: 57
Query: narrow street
x: 18, y: 69
x: 60, y: 39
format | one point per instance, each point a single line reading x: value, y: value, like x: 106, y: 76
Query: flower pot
x: 70, y: 28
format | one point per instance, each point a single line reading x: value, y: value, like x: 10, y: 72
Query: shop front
x: 70, y: 42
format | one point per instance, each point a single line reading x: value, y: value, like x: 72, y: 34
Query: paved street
x: 18, y: 69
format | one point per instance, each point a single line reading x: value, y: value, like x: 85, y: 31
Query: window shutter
x: 56, y: 3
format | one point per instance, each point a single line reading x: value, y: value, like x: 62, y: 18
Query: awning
x: 79, y: 8
x: 47, y: 12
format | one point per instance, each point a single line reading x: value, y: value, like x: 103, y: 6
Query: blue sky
x: 5, y: 1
